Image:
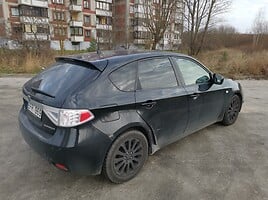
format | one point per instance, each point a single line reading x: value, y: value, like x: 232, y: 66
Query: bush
x: 93, y: 46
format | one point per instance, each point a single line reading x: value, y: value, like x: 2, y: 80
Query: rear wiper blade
x: 42, y: 92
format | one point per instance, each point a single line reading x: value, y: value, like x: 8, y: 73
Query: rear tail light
x: 68, y: 117
x: 61, y: 166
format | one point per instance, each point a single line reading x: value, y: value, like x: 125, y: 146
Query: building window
x: 33, y: 28
x: 60, y: 31
x: 16, y: 29
x: 109, y: 20
x: 103, y: 6
x: 59, y: 16
x: 86, y: 4
x: 75, y: 2
x: 131, y: 9
x: 177, y: 27
x: 27, y: 28
x: 33, y: 11
x: 76, y: 31
x: 15, y: 11
x: 43, y: 29
x: 104, y: 20
x: 87, y: 33
x: 57, y: 1
x: 142, y: 35
x: 101, y: 20
x: 87, y: 19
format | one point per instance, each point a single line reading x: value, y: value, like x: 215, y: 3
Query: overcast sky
x: 243, y: 13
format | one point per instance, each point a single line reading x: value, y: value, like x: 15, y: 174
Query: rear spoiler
x: 99, y: 65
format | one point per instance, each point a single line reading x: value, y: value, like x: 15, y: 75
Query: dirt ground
x: 215, y: 163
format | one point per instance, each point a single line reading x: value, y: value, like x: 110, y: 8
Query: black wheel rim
x: 233, y: 109
x: 128, y: 157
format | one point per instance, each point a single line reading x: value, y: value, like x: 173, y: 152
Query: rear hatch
x: 51, y: 88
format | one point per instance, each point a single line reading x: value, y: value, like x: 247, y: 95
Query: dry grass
x: 235, y: 63
x: 232, y: 63
x: 23, y: 61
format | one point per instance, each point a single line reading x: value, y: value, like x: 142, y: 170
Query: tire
x: 232, y: 111
x: 126, y: 157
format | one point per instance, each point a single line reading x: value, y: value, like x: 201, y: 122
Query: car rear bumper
x: 80, y: 150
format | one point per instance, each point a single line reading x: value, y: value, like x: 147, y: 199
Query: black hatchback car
x: 105, y: 113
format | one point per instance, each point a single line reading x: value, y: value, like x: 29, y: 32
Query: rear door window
x: 156, y: 73
x: 124, y: 77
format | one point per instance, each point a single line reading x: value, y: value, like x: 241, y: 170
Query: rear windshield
x: 61, y: 77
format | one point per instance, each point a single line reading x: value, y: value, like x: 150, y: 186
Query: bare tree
x: 259, y: 28
x: 200, y: 16
x: 156, y: 16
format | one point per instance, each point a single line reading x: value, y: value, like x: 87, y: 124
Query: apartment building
x: 104, y: 16
x: 172, y: 36
x: 23, y: 20
x: 68, y: 24
x: 73, y: 24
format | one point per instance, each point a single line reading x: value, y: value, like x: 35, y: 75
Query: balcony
x: 140, y: 28
x: 107, y: 1
x: 75, y: 8
x: 34, y: 20
x: 76, y: 23
x: 25, y: 2
x: 106, y: 13
x: 40, y: 3
x: 38, y: 36
x: 37, y: 3
x: 177, y: 41
x: 76, y: 38
x: 139, y: 41
x: 104, y: 26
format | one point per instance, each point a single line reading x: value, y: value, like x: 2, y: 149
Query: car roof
x: 112, y: 58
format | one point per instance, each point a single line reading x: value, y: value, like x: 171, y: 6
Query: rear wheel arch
x: 141, y: 128
x: 126, y: 156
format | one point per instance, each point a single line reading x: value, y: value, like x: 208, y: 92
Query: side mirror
x: 217, y: 79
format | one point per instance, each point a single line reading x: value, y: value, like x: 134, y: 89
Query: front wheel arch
x: 241, y: 99
x: 232, y: 111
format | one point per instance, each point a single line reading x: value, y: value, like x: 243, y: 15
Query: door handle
x: 194, y: 96
x: 148, y: 104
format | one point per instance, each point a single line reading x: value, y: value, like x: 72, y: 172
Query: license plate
x: 36, y: 111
